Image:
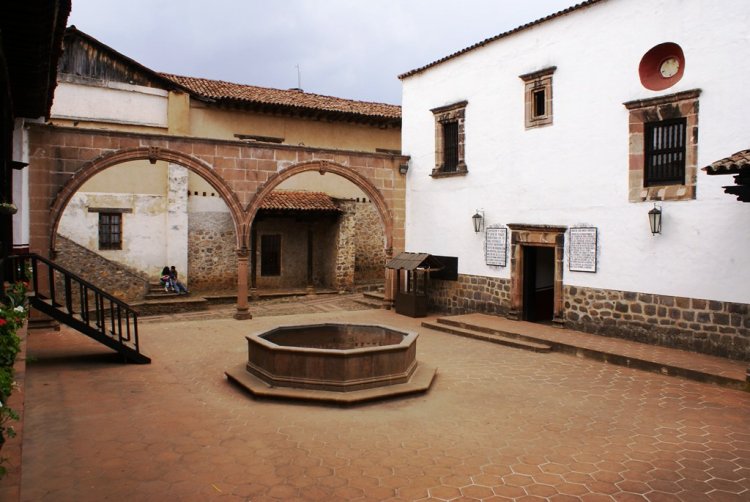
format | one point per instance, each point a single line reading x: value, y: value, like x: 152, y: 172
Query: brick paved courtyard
x: 497, y: 424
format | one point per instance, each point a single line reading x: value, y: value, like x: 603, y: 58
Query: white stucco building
x: 563, y: 134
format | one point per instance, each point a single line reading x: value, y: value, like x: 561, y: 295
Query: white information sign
x: 582, y: 249
x: 496, y: 245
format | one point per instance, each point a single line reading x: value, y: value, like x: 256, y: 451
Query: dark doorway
x: 538, y: 283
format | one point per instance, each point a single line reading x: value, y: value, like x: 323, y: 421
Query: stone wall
x: 369, y: 242
x: 707, y: 326
x: 345, y: 249
x: 470, y: 293
x: 212, y: 257
x: 114, y: 278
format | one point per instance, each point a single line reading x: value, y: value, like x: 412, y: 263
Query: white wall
x: 576, y: 171
x: 144, y: 230
x: 111, y: 102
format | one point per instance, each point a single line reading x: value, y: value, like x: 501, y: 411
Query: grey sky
x: 346, y: 48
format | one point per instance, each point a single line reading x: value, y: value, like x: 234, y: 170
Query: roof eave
x: 498, y: 37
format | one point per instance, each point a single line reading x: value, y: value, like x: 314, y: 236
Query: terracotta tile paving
x: 498, y: 424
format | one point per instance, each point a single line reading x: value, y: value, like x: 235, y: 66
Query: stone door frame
x: 523, y: 235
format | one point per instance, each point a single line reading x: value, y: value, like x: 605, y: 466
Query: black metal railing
x: 68, y: 298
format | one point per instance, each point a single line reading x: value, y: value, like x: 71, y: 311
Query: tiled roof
x: 498, y: 37
x: 733, y: 164
x: 298, y: 201
x: 304, y: 101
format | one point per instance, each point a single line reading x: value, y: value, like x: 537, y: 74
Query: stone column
x: 243, y: 311
x: 389, y: 291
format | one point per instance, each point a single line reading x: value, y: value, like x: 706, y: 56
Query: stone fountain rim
x: 409, y: 338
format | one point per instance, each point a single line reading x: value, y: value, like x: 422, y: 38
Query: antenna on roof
x: 299, y: 80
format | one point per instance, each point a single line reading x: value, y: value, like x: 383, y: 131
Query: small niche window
x: 450, y: 140
x: 270, y: 255
x: 538, y: 97
x: 110, y: 231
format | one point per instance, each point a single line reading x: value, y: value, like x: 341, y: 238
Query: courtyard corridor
x: 498, y: 424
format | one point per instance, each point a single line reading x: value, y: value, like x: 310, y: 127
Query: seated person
x: 166, y: 280
x: 179, y: 287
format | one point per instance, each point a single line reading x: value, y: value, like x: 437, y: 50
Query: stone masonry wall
x: 345, y: 250
x: 369, y: 264
x: 212, y: 257
x: 470, y: 293
x: 707, y: 326
x: 114, y: 278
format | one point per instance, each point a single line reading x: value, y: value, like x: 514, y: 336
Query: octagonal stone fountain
x: 336, y: 363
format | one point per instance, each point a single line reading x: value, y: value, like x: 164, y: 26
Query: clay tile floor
x: 498, y: 424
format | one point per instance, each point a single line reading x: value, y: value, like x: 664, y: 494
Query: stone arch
x: 322, y: 166
x: 152, y: 154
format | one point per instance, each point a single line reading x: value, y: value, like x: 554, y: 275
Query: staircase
x: 64, y: 296
x: 492, y: 335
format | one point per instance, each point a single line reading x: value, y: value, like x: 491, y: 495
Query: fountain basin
x: 343, y: 363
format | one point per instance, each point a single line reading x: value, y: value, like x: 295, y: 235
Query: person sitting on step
x: 179, y: 287
x: 166, y: 280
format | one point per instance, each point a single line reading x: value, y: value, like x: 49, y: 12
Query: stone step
x: 160, y: 294
x: 508, y: 341
x: 374, y: 295
x: 449, y: 321
x: 171, y: 305
x: 375, y: 304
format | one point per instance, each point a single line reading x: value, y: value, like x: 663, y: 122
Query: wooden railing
x: 68, y: 298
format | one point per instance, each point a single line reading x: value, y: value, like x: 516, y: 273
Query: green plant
x: 13, y: 314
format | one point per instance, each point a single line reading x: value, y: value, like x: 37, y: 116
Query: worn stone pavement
x: 498, y: 424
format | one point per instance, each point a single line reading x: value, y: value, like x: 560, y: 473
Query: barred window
x: 450, y: 146
x: 270, y: 255
x: 110, y: 231
x: 665, y: 152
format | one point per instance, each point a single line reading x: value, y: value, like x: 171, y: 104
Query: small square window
x: 110, y: 231
x: 538, y: 97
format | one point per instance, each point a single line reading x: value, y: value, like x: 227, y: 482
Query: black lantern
x: 403, y: 168
x: 478, y: 220
x: 654, y: 219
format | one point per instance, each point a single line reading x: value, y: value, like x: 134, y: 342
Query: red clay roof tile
x: 299, y: 201
x: 221, y: 90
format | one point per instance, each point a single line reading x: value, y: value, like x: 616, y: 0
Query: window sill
x: 438, y: 173
x: 663, y: 192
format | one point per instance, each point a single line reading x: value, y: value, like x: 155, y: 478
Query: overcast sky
x: 346, y: 48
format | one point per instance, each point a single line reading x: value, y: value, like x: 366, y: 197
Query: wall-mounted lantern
x: 403, y: 168
x: 478, y: 220
x: 654, y: 219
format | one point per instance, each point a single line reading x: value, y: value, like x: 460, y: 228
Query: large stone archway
x: 61, y: 159
x: 323, y: 167
x: 151, y: 154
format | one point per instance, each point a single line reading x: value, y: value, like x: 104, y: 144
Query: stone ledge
x: 420, y: 381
